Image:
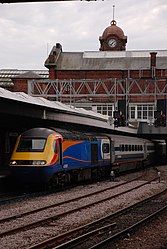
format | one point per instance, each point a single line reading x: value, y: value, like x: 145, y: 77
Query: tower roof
x: 113, y: 29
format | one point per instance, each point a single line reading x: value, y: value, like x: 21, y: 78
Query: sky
x: 28, y: 31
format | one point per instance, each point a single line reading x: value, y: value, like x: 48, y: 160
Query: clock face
x: 112, y: 43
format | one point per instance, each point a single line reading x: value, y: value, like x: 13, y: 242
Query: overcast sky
x: 28, y: 31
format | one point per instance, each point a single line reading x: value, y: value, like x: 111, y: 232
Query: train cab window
x: 31, y: 144
x: 106, y: 148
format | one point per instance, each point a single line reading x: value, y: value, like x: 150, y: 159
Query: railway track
x: 7, y: 197
x: 102, y: 233
x: 69, y: 211
x: 50, y: 219
x: 10, y: 196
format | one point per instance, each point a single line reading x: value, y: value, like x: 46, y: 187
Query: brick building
x: 17, y: 80
x: 105, y: 81
x: 110, y: 79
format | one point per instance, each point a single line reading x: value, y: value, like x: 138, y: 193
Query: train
x: 55, y: 156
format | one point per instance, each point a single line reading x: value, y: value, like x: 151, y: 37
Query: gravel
x: 35, y: 235
x: 154, y: 234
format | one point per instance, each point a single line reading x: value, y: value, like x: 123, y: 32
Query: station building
x: 111, y: 79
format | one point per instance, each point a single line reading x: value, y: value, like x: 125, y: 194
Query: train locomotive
x: 55, y: 156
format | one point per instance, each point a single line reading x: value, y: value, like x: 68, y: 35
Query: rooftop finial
x: 113, y: 11
x: 113, y: 22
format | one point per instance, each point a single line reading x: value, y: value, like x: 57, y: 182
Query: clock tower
x: 113, y: 38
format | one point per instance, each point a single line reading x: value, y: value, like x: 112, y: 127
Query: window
x: 145, y: 112
x: 132, y: 112
x: 126, y: 147
x: 31, y: 144
x: 110, y: 110
x: 106, y: 148
x: 104, y: 109
x: 117, y: 148
x: 141, y: 112
x: 151, y: 110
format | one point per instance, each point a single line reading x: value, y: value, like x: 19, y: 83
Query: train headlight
x: 38, y: 162
x: 13, y: 163
x: 43, y: 162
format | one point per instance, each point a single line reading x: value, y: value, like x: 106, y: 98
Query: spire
x: 113, y: 22
x: 113, y: 11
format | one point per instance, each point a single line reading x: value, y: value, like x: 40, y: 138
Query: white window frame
x: 145, y: 110
x: 104, y: 109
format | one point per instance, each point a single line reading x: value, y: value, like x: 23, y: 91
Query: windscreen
x: 31, y: 144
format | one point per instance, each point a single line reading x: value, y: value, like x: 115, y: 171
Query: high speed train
x: 53, y: 155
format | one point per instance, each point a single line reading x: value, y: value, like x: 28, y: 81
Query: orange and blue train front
x: 35, y: 157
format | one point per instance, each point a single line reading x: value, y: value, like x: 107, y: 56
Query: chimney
x: 51, y: 58
x: 153, y: 59
x: 58, y: 45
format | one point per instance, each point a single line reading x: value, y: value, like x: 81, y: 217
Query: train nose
x: 29, y: 175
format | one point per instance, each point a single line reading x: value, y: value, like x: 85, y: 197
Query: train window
x: 130, y: 147
x: 34, y: 145
x: 117, y: 148
x: 123, y: 147
x: 106, y: 148
x: 133, y: 147
x: 126, y: 147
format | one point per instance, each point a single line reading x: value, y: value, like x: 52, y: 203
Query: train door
x: 105, y: 149
x: 94, y: 153
x: 58, y: 150
x: 112, y: 151
x: 145, y: 151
